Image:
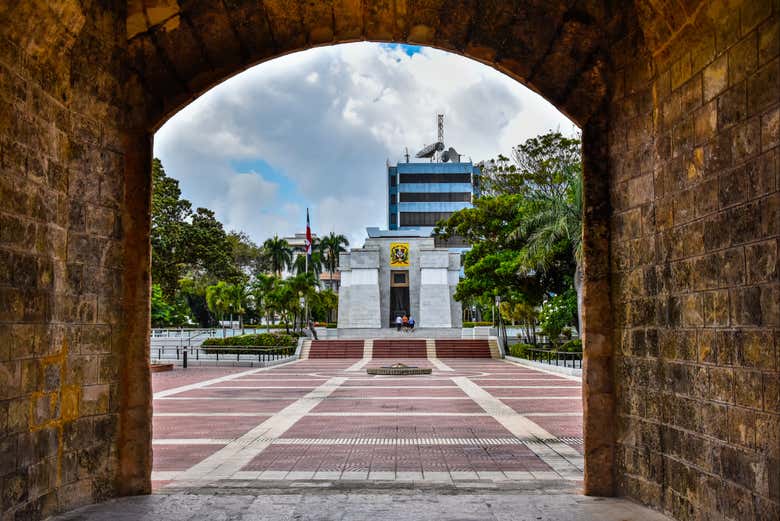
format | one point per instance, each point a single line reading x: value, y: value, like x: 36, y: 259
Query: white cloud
x: 326, y: 120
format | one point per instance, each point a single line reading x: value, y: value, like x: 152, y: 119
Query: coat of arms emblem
x: 399, y: 254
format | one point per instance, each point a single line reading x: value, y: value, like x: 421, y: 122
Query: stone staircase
x: 305, y: 347
x: 430, y: 349
x: 463, y: 349
x: 399, y: 348
x: 495, y: 350
x: 336, y: 349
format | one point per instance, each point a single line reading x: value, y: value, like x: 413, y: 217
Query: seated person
x: 411, y: 323
x: 405, y: 321
x: 398, y: 323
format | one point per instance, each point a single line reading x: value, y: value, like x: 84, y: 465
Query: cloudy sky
x: 315, y: 129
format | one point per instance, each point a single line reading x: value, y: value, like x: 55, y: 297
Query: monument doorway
x: 399, y: 295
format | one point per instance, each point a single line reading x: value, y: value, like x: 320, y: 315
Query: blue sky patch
x: 409, y: 50
x: 288, y: 191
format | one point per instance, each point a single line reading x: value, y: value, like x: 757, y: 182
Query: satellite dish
x: 451, y: 155
x: 429, y: 150
x: 445, y: 156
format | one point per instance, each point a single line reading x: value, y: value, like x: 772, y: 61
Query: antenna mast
x: 441, y: 135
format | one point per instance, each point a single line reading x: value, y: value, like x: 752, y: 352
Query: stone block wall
x: 694, y: 149
x: 681, y: 246
x: 63, y: 240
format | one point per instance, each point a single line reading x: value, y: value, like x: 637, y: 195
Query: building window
x: 435, y: 197
x: 393, y: 180
x: 399, y: 279
x: 394, y: 199
x: 423, y: 218
x: 436, y: 178
x: 393, y: 218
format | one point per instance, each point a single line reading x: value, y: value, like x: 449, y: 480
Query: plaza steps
x: 305, y: 348
x: 399, y: 348
x: 463, y: 349
x: 336, y: 349
x: 495, y: 351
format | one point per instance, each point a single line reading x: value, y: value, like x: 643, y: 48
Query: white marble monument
x: 398, y: 273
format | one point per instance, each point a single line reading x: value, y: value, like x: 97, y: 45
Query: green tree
x: 282, y: 300
x: 556, y: 314
x: 208, y: 247
x: 314, y: 263
x: 261, y: 289
x: 550, y: 170
x: 331, y: 245
x: 279, y: 254
x: 193, y: 291
x: 247, y: 256
x: 170, y: 214
x: 324, y: 305
x: 218, y: 300
x: 237, y: 302
x: 162, y: 312
x: 525, y: 230
x: 303, y: 286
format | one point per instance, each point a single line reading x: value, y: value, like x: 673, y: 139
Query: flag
x: 308, y: 236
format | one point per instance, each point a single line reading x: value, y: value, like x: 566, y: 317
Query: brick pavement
x: 486, y: 421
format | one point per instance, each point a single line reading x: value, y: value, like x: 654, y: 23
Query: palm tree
x: 557, y: 224
x: 217, y: 300
x: 261, y: 289
x: 236, y: 295
x: 279, y: 254
x: 331, y: 245
x: 314, y: 263
x: 302, y: 286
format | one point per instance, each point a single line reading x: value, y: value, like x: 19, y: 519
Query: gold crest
x: 399, y: 254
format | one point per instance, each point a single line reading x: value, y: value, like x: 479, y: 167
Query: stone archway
x: 176, y: 53
x: 678, y: 102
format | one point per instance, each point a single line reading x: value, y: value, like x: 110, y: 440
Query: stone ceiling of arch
x: 179, y: 49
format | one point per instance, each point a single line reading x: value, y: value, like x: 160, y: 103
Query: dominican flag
x: 308, y: 236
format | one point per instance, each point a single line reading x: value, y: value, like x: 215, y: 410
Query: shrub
x: 557, y: 313
x: 520, y: 350
x: 477, y: 324
x: 261, y: 339
x: 572, y: 346
x: 265, y: 326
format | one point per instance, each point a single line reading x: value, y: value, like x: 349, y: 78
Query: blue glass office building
x: 422, y: 194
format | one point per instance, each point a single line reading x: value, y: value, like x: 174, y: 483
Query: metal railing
x: 552, y: 357
x: 215, y: 355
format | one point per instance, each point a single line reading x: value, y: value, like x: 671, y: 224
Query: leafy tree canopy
x: 525, y: 228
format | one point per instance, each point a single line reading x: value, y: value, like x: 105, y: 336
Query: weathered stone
x: 679, y: 107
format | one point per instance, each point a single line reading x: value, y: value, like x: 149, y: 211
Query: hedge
x: 520, y: 350
x: 261, y: 339
x: 477, y: 324
x: 572, y: 346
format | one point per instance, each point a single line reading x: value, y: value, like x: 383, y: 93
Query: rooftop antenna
x: 406, y: 154
x: 440, y: 122
x: 432, y: 151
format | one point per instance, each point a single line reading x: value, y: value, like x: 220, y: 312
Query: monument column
x: 434, y: 289
x: 346, y: 278
x: 363, y: 303
x: 453, y: 277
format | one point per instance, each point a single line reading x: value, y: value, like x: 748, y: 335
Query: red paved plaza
x: 470, y: 420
